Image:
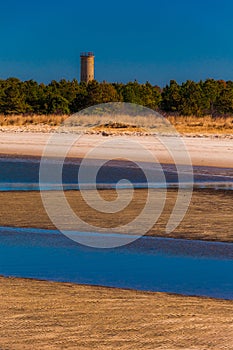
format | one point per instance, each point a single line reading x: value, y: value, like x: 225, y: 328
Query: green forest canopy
x: 209, y: 97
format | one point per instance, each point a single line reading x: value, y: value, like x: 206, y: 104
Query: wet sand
x: 47, y: 315
x: 209, y: 216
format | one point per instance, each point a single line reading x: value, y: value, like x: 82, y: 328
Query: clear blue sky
x: 145, y: 40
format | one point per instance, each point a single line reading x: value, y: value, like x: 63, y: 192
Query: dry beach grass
x: 187, y: 125
x: 206, y: 125
x: 25, y: 120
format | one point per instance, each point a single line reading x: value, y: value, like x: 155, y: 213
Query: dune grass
x: 23, y: 120
x: 203, y: 125
x: 112, y: 124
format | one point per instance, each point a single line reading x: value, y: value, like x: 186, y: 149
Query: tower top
x: 87, y: 54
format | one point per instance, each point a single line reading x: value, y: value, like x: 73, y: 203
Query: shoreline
x: 204, y: 151
x: 110, y: 288
x: 172, y: 238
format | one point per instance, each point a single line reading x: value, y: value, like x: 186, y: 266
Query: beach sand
x: 204, y: 151
x: 47, y: 315
x: 209, y: 216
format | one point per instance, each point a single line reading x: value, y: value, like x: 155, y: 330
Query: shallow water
x: 23, y: 175
x: 151, y: 264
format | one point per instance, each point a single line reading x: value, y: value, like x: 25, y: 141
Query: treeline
x: 209, y: 97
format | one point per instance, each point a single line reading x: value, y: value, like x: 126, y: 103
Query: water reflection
x: 153, y: 264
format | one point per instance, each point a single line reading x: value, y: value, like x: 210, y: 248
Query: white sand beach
x: 204, y: 151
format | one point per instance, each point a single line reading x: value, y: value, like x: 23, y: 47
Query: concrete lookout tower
x: 87, y: 66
